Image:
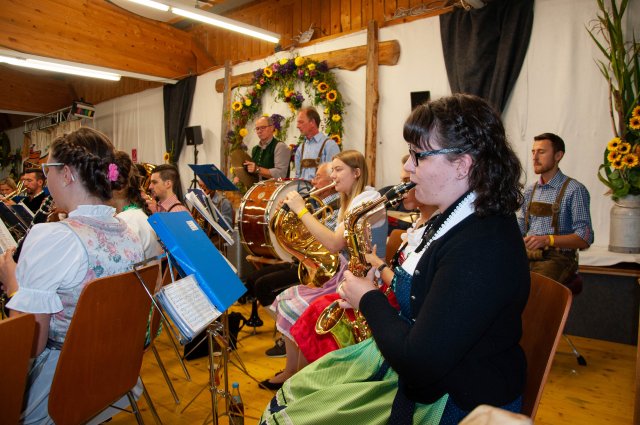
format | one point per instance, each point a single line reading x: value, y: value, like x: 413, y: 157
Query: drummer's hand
x: 352, y: 288
x: 295, y: 201
x: 251, y: 166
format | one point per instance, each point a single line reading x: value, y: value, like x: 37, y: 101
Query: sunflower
x: 336, y: 118
x: 243, y: 132
x: 630, y: 160
x: 624, y: 148
x: 247, y: 101
x: 636, y: 111
x: 613, y: 156
x: 268, y: 72
x: 634, y: 123
x: 166, y: 157
x: 614, y: 144
x: 299, y: 61
x: 332, y: 96
x: 283, y: 61
x: 617, y: 164
x: 323, y: 87
x: 236, y: 106
x: 336, y: 138
x: 311, y: 66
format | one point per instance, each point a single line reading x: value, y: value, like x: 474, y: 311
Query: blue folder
x: 195, y: 254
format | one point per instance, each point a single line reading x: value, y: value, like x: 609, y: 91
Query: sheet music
x: 188, y: 306
x: 6, y: 240
x: 193, y: 200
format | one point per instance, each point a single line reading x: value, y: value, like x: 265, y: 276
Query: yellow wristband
x: 12, y: 294
x: 302, y: 212
x: 552, y: 241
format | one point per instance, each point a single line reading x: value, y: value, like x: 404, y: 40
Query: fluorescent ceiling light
x: 49, y: 64
x: 153, y: 4
x: 57, y: 67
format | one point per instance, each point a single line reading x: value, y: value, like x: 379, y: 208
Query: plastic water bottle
x: 236, y: 407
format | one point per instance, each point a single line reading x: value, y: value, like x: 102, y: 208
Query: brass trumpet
x: 317, y: 264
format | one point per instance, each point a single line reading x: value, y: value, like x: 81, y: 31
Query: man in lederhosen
x: 270, y: 157
x: 554, y: 219
x: 316, y: 147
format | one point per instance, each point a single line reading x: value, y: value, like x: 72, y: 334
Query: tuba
x: 357, y: 228
x: 317, y: 264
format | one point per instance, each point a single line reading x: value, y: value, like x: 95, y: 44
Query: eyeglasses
x: 46, y: 165
x: 262, y: 127
x: 417, y: 156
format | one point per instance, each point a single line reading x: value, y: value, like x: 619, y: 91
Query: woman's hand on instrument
x: 295, y: 201
x: 8, y: 271
x: 352, y: 288
x: 373, y: 259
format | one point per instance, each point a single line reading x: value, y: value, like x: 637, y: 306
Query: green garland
x: 319, y: 85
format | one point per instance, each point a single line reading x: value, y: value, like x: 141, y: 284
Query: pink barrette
x: 113, y: 172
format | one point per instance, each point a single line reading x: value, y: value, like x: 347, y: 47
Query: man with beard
x: 554, y: 219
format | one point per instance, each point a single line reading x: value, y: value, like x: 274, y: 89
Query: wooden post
x: 371, y: 102
x: 224, y: 127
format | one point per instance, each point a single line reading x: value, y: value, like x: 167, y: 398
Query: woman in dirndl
x: 455, y: 342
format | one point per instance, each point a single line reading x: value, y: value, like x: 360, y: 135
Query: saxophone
x: 357, y: 229
x: 317, y: 264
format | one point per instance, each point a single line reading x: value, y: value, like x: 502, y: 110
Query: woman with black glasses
x: 454, y: 344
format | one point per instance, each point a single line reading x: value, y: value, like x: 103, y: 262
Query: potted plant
x: 620, y: 169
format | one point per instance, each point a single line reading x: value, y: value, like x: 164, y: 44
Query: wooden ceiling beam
x: 32, y: 92
x: 98, y: 33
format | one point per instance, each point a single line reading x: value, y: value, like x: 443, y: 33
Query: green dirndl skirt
x: 344, y: 387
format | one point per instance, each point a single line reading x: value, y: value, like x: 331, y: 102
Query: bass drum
x: 256, y: 209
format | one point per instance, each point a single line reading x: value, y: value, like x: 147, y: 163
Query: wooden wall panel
x: 345, y: 15
x: 356, y: 14
x: 32, y: 91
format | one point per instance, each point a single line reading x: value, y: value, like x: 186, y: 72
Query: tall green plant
x: 621, y: 70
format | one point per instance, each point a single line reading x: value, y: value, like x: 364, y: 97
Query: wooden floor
x: 600, y: 393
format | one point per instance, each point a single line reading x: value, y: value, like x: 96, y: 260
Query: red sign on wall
x: 134, y: 155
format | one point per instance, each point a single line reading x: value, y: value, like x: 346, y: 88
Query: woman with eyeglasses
x: 454, y: 344
x: 59, y: 259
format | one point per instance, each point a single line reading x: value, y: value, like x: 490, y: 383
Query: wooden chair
x: 102, y: 353
x: 393, y: 243
x: 16, y: 335
x: 543, y: 321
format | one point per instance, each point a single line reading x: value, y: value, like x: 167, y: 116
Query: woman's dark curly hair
x: 89, y: 152
x: 469, y: 123
x: 129, y: 179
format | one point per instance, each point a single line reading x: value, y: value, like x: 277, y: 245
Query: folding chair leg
x: 581, y: 360
x: 175, y: 348
x: 134, y: 406
x: 164, y: 373
x: 152, y: 407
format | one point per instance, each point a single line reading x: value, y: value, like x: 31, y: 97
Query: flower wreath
x: 319, y: 85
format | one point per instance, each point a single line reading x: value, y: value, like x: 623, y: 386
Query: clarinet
x: 39, y: 217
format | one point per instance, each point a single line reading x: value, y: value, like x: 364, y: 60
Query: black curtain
x: 484, y: 48
x: 177, y: 108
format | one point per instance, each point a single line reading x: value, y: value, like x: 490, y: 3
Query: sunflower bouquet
x: 620, y: 170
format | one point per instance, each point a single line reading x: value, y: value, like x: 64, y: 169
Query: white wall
x: 559, y: 90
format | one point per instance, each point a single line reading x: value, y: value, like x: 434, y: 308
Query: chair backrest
x: 16, y: 336
x: 102, y: 353
x: 543, y: 321
x: 393, y: 243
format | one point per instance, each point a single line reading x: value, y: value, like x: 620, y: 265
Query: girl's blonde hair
x: 353, y: 159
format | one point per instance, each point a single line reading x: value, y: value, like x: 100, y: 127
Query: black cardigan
x: 468, y: 292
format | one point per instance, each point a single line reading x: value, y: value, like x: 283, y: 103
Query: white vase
x: 624, y: 230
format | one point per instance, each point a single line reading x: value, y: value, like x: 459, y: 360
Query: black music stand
x: 193, y: 253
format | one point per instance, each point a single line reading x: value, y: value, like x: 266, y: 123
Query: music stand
x: 192, y: 251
